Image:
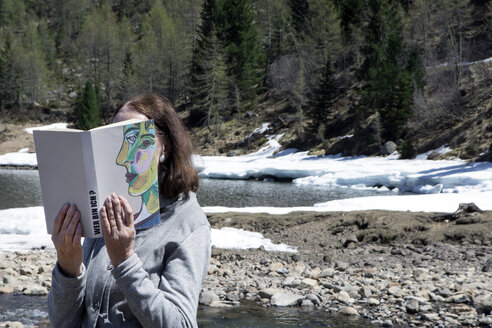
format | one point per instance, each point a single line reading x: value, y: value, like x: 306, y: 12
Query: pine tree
x: 236, y: 29
x: 87, y: 107
x: 321, y: 103
x: 127, y: 84
x: 388, y: 85
x: 299, y: 14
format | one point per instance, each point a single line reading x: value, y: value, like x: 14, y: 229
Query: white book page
x: 61, y: 172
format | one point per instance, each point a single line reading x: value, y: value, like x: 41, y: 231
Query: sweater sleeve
x: 66, y: 299
x: 174, y: 303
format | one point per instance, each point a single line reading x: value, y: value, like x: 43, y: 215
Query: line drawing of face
x: 138, y: 155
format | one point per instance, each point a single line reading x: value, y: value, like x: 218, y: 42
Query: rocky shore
x: 396, y: 269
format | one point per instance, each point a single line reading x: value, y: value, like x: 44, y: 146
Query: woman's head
x: 177, y: 173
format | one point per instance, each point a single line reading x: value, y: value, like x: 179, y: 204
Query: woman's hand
x: 118, y: 228
x: 66, y: 237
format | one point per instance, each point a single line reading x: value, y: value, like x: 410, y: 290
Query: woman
x: 149, y: 278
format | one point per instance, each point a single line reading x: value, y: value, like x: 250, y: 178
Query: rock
x: 269, y: 292
x: 327, y: 272
x: 486, y: 321
x: 434, y: 156
x: 348, y: 310
x: 344, y: 297
x: 220, y: 304
x: 350, y: 239
x: 286, y: 299
x: 307, y: 303
x: 232, y: 296
x: 468, y: 208
x: 11, y: 324
x: 341, y: 266
x: 275, y: 266
x: 291, y: 281
x: 488, y: 265
x: 458, y: 298
x: 483, y: 303
x: 313, y: 298
x: 395, y: 290
x: 373, y: 301
x: 430, y: 316
x: 307, y: 282
x: 388, y: 148
x: 6, y: 289
x: 35, y: 290
x: 233, y: 153
x: 398, y: 251
x: 207, y: 298
x: 366, y: 292
x: 412, y: 306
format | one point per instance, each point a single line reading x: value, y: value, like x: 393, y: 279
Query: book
x: 84, y: 167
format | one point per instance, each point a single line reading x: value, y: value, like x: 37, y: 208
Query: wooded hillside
x: 408, y: 71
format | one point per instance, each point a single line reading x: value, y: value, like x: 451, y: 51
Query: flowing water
x: 20, y: 188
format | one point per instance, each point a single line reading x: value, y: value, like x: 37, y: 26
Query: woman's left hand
x: 118, y: 228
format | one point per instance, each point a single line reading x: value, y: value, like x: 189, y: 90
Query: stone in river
x: 35, y: 290
x: 348, y: 310
x: 269, y: 292
x: 286, y: 299
x: 207, y: 298
x: 6, y: 289
x: 307, y: 303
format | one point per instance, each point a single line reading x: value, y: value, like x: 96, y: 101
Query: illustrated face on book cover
x: 138, y: 155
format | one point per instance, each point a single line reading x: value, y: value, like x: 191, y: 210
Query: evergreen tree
x: 299, y: 14
x: 127, y: 84
x: 321, y: 103
x: 388, y: 85
x: 87, y: 107
x: 199, y: 64
x: 236, y: 29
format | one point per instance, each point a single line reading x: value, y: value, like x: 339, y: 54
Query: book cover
x: 84, y: 167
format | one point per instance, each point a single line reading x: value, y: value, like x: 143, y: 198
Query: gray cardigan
x: 158, y: 286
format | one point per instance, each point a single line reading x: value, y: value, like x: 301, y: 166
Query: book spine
x: 92, y: 220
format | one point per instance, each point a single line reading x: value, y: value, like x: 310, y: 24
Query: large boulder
x: 388, y: 148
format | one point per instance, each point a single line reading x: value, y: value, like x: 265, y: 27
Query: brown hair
x: 177, y: 174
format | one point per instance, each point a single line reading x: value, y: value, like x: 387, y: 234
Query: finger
x: 110, y: 214
x: 127, y: 209
x: 59, y: 218
x: 68, y: 217
x: 72, y: 226
x: 105, y: 222
x: 78, y: 234
x: 117, y: 211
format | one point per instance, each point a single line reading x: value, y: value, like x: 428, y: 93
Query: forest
x: 380, y: 69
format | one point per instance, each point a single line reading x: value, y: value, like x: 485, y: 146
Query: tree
x: 321, y: 103
x: 237, y: 31
x: 10, y: 73
x: 299, y: 9
x: 158, y: 54
x: 33, y: 66
x: 87, y: 107
x: 388, y: 87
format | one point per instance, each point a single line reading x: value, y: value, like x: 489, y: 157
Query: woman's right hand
x: 66, y: 237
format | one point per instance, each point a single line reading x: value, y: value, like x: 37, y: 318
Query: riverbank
x: 393, y: 268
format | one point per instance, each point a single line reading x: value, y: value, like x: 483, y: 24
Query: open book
x: 84, y: 167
